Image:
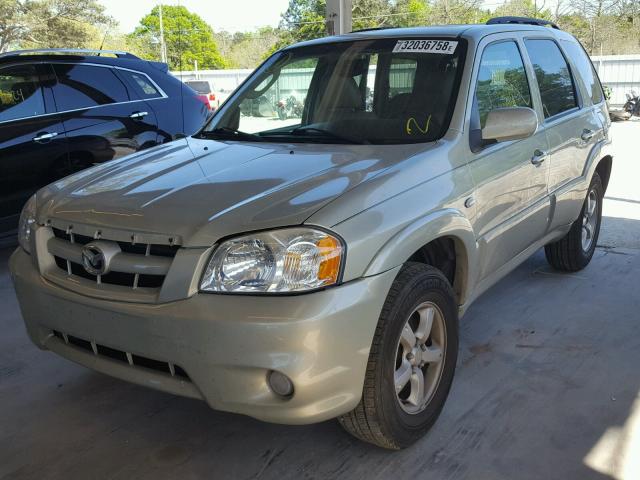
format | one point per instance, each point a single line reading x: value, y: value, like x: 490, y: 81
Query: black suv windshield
x: 369, y: 91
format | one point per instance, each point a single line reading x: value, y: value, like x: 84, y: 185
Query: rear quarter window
x: 585, y: 68
x: 140, y: 84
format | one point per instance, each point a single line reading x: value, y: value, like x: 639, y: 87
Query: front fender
x: 449, y: 223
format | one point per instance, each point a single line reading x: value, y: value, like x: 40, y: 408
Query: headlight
x: 27, y: 218
x: 279, y: 261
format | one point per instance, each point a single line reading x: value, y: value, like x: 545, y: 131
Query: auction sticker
x: 446, y: 47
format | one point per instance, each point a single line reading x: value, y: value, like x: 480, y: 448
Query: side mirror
x: 510, y: 123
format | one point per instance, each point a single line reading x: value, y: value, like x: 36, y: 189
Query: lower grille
x: 137, y: 361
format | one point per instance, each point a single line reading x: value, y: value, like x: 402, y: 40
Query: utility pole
x: 163, y: 48
x: 338, y: 17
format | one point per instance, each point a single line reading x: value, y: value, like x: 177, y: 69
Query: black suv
x: 65, y: 110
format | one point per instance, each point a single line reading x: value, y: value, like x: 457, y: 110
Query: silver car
x: 315, y: 267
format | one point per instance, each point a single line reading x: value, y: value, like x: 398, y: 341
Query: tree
x: 303, y: 20
x: 254, y: 48
x: 51, y: 23
x: 456, y: 11
x: 524, y: 8
x: 187, y: 36
x: 411, y: 13
x: 605, y: 26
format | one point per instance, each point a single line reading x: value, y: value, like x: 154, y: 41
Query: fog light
x: 280, y: 383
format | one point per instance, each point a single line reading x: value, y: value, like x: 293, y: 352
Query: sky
x: 230, y: 15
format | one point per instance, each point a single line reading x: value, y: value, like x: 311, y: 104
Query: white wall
x: 621, y: 73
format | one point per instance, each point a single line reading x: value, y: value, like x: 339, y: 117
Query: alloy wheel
x: 420, y: 357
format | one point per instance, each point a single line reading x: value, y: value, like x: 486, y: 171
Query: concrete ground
x: 547, y: 387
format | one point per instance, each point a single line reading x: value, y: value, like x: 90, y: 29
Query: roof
x: 123, y: 59
x: 476, y: 31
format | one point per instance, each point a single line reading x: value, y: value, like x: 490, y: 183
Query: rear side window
x: 585, y: 67
x: 82, y: 86
x: 20, y: 93
x: 554, y: 78
x: 502, y: 81
x: 140, y: 84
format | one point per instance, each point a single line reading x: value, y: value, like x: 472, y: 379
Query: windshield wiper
x: 327, y: 133
x: 229, y: 133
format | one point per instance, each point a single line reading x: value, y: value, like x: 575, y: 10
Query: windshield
x: 368, y: 91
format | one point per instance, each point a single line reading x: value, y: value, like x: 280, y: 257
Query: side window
x: 502, y: 80
x: 585, y: 67
x: 82, y: 86
x: 554, y: 78
x: 20, y: 93
x: 402, y: 75
x: 140, y: 84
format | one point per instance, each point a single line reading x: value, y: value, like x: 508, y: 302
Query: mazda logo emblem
x: 93, y: 260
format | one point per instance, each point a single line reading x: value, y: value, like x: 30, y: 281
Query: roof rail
x: 87, y: 51
x: 522, y: 21
x: 370, y: 29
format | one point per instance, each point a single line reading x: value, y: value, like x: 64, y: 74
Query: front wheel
x: 573, y: 252
x: 411, y: 362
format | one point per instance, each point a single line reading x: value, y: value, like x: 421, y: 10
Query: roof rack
x: 87, y: 51
x: 522, y: 21
x: 370, y: 29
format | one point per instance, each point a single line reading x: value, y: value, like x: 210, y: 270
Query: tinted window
x: 200, y: 87
x: 585, y: 67
x: 20, y: 93
x: 81, y: 86
x: 502, y: 81
x: 140, y: 84
x: 554, y: 78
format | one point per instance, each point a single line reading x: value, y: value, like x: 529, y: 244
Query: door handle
x: 44, y: 137
x: 587, y: 135
x: 539, y: 157
x: 137, y: 115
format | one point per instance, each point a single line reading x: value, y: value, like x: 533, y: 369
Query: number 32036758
x: 426, y: 46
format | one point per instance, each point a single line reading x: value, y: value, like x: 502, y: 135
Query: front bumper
x: 225, y: 343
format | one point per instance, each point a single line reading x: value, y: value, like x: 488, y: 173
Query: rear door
x: 32, y: 141
x: 512, y: 203
x: 571, y: 123
x: 103, y: 119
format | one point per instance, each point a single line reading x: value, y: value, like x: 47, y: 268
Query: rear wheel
x: 411, y: 363
x: 574, y: 251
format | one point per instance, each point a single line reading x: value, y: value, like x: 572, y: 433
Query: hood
x: 199, y: 191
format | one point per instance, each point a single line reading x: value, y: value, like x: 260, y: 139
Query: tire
x: 384, y: 417
x: 570, y: 254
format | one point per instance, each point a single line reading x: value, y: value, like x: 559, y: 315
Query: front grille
x: 138, y: 361
x: 138, y: 265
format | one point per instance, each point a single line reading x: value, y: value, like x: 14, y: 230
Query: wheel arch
x: 440, y: 233
x: 604, y: 166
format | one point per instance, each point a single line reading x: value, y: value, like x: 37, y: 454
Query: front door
x: 512, y: 203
